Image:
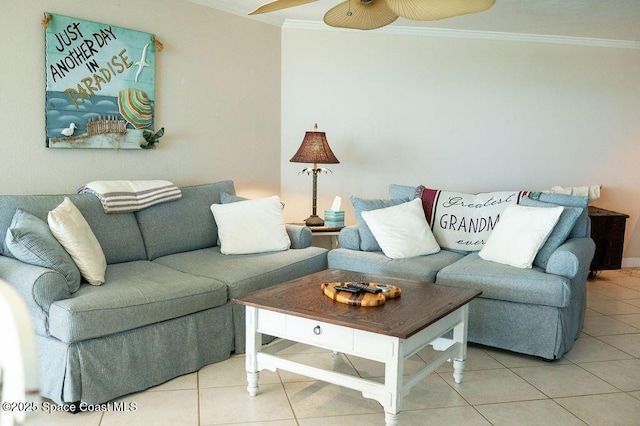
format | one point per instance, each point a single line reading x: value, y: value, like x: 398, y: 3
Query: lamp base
x: 314, y: 220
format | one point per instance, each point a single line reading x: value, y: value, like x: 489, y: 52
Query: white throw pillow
x: 252, y: 226
x: 519, y: 234
x: 74, y: 234
x: 402, y: 231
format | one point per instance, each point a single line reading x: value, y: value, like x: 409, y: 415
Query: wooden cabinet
x: 607, y: 231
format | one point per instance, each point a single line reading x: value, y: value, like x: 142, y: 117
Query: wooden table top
x: 420, y: 305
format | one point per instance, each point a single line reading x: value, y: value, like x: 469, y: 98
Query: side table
x: 607, y: 231
x: 327, y: 231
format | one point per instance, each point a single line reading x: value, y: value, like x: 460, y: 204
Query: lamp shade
x: 314, y: 149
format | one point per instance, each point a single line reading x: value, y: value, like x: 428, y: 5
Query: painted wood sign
x: 100, y: 85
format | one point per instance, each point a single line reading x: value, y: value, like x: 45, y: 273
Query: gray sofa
x: 538, y: 311
x: 165, y: 308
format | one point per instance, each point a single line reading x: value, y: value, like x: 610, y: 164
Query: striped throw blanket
x: 119, y: 196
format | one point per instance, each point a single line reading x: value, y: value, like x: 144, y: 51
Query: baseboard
x: 631, y: 262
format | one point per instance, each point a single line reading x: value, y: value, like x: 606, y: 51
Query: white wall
x: 236, y: 97
x: 463, y: 115
x: 217, y: 95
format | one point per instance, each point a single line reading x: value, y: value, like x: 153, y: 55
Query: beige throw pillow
x: 74, y: 234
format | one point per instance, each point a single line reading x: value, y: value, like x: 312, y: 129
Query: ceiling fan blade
x: 432, y: 10
x: 360, y: 16
x: 279, y: 4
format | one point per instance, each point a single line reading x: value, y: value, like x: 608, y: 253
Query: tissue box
x: 333, y: 218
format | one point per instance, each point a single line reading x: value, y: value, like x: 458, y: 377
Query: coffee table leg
x: 391, y: 419
x: 252, y: 380
x: 460, y: 336
x: 393, y: 376
x: 458, y: 370
x: 253, y: 343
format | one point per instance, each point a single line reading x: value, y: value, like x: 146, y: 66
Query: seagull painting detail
x: 69, y: 130
x: 142, y: 62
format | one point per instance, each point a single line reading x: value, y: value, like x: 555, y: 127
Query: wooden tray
x: 362, y: 298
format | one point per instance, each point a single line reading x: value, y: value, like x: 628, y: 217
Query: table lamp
x: 314, y: 149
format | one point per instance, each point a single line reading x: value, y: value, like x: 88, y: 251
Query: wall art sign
x: 100, y: 84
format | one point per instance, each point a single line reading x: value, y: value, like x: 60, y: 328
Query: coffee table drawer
x: 303, y: 330
x: 319, y: 333
x: 270, y: 322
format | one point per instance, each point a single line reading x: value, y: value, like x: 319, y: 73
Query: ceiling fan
x: 371, y: 14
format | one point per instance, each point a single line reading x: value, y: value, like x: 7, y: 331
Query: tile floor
x: 596, y: 383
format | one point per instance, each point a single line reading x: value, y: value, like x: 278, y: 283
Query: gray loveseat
x: 537, y: 311
x: 165, y: 308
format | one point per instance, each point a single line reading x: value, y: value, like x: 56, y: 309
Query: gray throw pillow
x: 560, y: 232
x: 367, y: 240
x: 30, y: 240
x: 581, y: 227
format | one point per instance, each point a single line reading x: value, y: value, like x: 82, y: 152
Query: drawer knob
x: 317, y: 330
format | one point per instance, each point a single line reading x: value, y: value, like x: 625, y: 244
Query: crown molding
x: 470, y: 34
x: 231, y: 6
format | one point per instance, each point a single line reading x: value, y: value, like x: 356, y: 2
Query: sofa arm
x: 571, y: 257
x: 299, y: 235
x: 39, y: 287
x: 349, y: 237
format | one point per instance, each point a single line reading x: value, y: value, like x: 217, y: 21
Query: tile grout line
x: 198, y: 395
x: 284, y: 389
x: 610, y: 316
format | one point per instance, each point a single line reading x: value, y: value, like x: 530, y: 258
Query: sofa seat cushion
x: 134, y: 294
x: 423, y: 268
x: 244, y: 273
x: 504, y: 282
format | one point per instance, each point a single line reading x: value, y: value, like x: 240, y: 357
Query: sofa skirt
x: 537, y: 330
x: 99, y: 370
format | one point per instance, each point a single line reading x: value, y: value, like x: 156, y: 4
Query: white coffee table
x: 298, y: 311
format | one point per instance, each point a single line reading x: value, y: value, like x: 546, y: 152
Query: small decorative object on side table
x: 607, y: 231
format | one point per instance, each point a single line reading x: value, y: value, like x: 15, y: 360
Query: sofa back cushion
x: 582, y: 226
x: 118, y: 234
x: 185, y: 224
x: 403, y: 191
